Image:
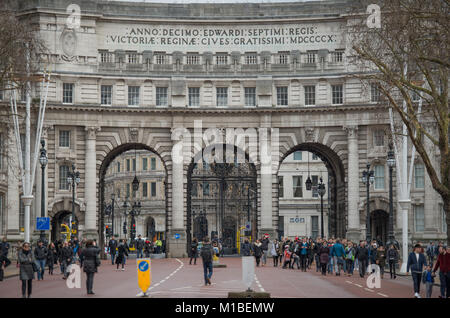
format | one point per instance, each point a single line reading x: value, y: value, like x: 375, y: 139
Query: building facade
x: 164, y: 77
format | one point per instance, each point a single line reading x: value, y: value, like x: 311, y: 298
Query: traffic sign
x: 248, y: 226
x: 42, y: 223
x: 177, y: 236
x: 144, y: 274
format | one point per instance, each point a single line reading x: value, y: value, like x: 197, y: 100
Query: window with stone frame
x: 251, y: 58
x: 280, y: 187
x: 106, y: 95
x: 133, y: 58
x: 298, y: 155
x: 153, y: 189
x: 128, y: 190
x: 378, y: 137
x: 68, y: 93
x: 106, y: 57
x: 161, y: 58
x: 375, y: 93
x: 63, y: 174
x: 144, y: 164
x: 153, y: 163
x: 315, y: 184
x: 205, y: 186
x: 64, y: 138
x: 222, y: 58
x: 379, y: 177
x: 419, y: 218
x: 283, y: 58
x: 194, y: 96
x: 337, y: 92
x: 250, y: 96
x: 419, y: 176
x: 311, y: 57
x: 161, y: 96
x: 144, y: 189
x: 297, y: 185
x: 310, y: 95
x: 282, y: 96
x: 222, y: 96
x: 118, y: 167
x: 337, y: 56
x: 128, y: 164
x: 1, y: 93
x: 192, y: 59
x: 133, y: 95
x: 133, y: 164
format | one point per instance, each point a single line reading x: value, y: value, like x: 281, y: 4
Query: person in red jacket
x: 443, y: 263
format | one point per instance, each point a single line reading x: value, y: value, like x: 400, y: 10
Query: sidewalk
x: 11, y: 271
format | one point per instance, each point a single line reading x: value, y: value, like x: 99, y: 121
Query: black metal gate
x: 221, y: 198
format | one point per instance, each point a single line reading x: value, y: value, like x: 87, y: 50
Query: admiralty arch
x: 137, y: 76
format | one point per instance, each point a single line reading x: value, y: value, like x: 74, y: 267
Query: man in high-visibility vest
x: 158, y: 246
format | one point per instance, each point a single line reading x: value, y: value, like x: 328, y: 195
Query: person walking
x: 428, y: 281
x: 295, y: 256
x: 443, y: 264
x: 67, y: 258
x: 287, y: 256
x: 112, y: 246
x: 349, y: 258
x: 139, y: 247
x: 303, y: 254
x: 430, y: 253
x: 316, y: 254
x: 257, y: 251
x: 40, y: 255
x: 274, y: 252
x: 324, y: 255
x: 4, y: 251
x: 338, y: 253
x: 281, y: 252
x: 207, y: 254
x: 90, y: 255
x: 51, y: 258
x: 392, y: 257
x: 194, y: 252
x: 27, y: 268
x: 122, y: 252
x: 416, y: 263
x: 147, y: 248
x: 381, y: 260
x: 362, y: 254
x: 265, y: 248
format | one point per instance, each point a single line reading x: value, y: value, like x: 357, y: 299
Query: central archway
x: 224, y: 193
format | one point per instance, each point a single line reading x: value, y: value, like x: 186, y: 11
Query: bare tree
x: 408, y: 58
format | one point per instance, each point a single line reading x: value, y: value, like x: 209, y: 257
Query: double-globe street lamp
x: 391, y: 164
x: 321, y: 191
x: 73, y: 178
x: 368, y: 177
x: 43, y: 160
x: 135, y: 209
x: 109, y: 210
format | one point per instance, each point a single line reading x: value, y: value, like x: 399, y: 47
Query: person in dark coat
x: 324, y: 255
x: 26, y: 261
x: 112, y: 248
x: 362, y: 254
x: 257, y: 251
x: 91, y: 261
x: 416, y: 262
x: 40, y: 255
x: 265, y: 248
x: 194, y: 252
x: 246, y: 248
x: 147, y: 248
x: 67, y: 258
x: 122, y: 252
x: 51, y: 258
x: 139, y: 247
x: 392, y: 258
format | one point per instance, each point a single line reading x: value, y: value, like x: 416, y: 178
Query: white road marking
x: 358, y: 285
x: 370, y: 290
x: 382, y: 295
x: 349, y: 282
x: 259, y: 284
x: 163, y: 280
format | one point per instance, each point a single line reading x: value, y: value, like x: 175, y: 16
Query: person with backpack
x: 349, y: 258
x: 207, y: 254
x: 122, y: 252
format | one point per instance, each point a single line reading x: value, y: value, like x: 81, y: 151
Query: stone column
x: 13, y: 204
x: 354, y: 225
x: 90, y: 184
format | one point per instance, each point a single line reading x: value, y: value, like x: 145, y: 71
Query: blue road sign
x: 43, y: 224
x: 177, y: 236
x: 143, y: 266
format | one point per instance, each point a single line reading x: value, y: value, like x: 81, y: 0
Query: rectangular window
x: 161, y: 96
x: 315, y: 183
x: 193, y: 59
x: 160, y: 58
x: 63, y: 174
x: 153, y: 189
x: 194, y: 191
x: 222, y: 59
x: 205, y: 188
x: 144, y: 164
x: 298, y: 155
x: 64, y: 138
x: 374, y: 93
x: 222, y: 96
x: 378, y: 137
x: 133, y: 95
x: 153, y: 163
x: 280, y: 187
x: 311, y: 58
x: 337, y: 94
x: 419, y: 218
x: 144, y: 189
x: 118, y: 167
x: 194, y: 96
x: 106, y: 57
x: 128, y: 164
x: 251, y: 58
x: 297, y: 186
x: 134, y: 164
x: 68, y: 93
x: 315, y: 157
x: 310, y: 95
x: 106, y: 95
x: 283, y: 57
x: 419, y: 176
x: 379, y: 177
x: 282, y: 96
x: 337, y: 57
x: 250, y: 96
x: 23, y: 94
x: 128, y: 190
x: 314, y: 226
x: 132, y: 58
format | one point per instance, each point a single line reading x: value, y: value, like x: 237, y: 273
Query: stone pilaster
x: 13, y: 203
x: 354, y: 225
x: 265, y: 149
x: 90, y: 190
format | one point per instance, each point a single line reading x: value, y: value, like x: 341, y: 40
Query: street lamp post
x: 368, y: 178
x: 321, y: 191
x: 391, y: 164
x: 73, y: 179
x: 43, y: 160
x: 135, y: 208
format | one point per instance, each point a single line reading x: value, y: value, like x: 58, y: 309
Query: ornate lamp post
x: 73, y: 179
x: 391, y: 164
x: 321, y: 191
x: 368, y: 178
x: 43, y: 160
x: 135, y: 209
